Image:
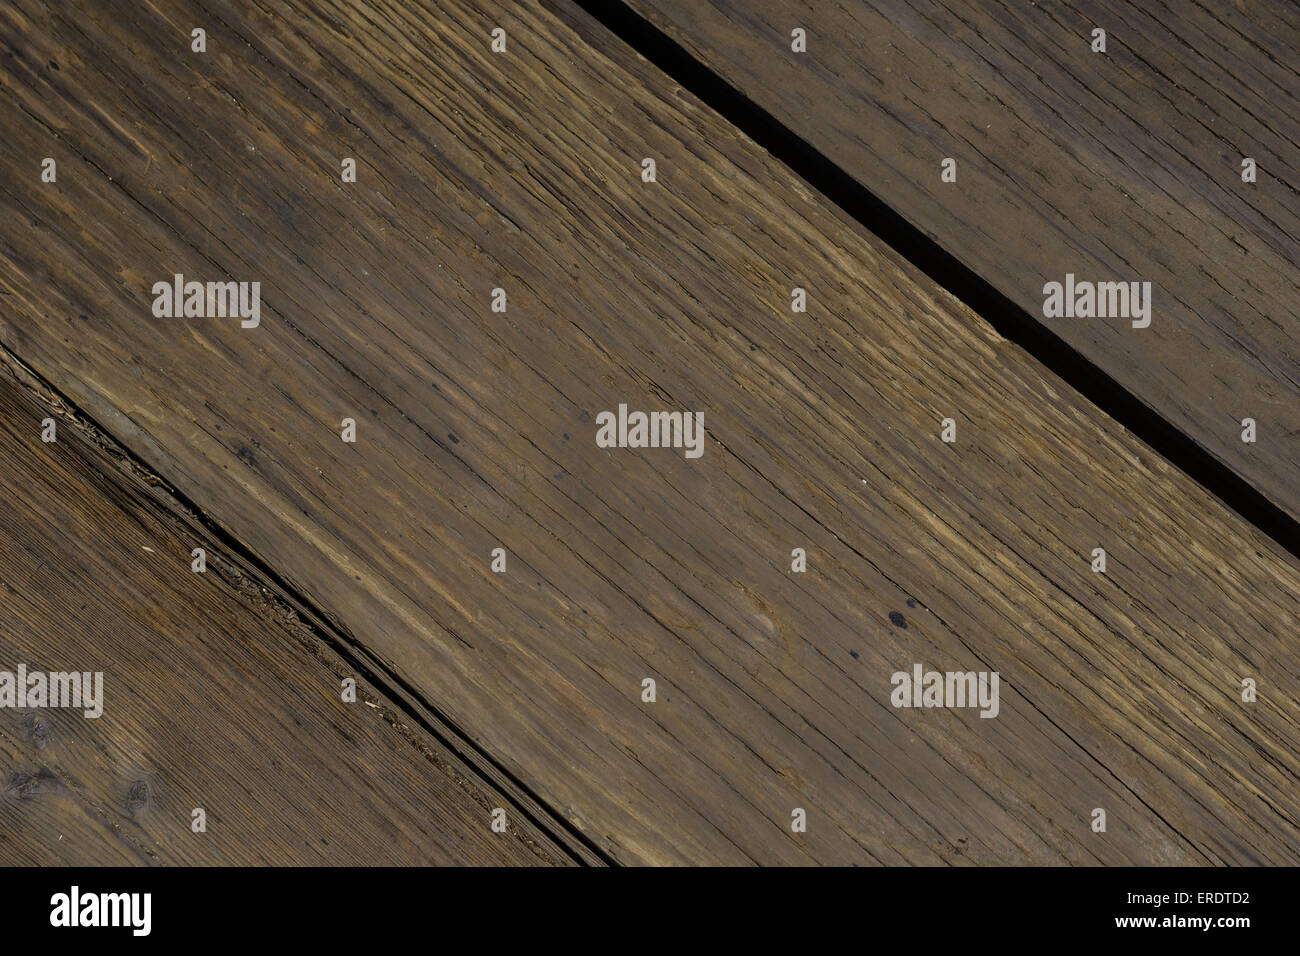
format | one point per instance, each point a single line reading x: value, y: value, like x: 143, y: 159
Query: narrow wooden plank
x: 475, y: 430
x: 212, y: 696
x: 1115, y: 166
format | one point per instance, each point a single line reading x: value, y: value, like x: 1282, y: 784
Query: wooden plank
x: 213, y: 695
x: 476, y: 431
x: 1115, y: 166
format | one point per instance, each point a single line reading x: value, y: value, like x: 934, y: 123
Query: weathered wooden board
x: 212, y: 696
x: 475, y: 430
x: 1115, y: 166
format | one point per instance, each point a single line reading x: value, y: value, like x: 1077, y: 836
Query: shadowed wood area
x: 1117, y: 166
x: 475, y: 430
x: 213, y: 696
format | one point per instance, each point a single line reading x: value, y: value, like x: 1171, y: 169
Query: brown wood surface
x: 1117, y: 166
x: 214, y: 695
x: 476, y: 430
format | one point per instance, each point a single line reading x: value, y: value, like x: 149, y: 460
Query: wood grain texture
x: 213, y: 696
x: 1115, y: 167
x: 475, y: 430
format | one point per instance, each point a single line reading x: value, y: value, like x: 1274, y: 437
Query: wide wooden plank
x: 476, y: 430
x: 1115, y: 166
x: 212, y: 695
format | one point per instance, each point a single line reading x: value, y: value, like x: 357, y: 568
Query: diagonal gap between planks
x: 1013, y: 322
x: 417, y: 706
x: 414, y: 706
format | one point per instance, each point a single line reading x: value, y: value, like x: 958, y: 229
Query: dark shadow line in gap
x: 1010, y: 320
